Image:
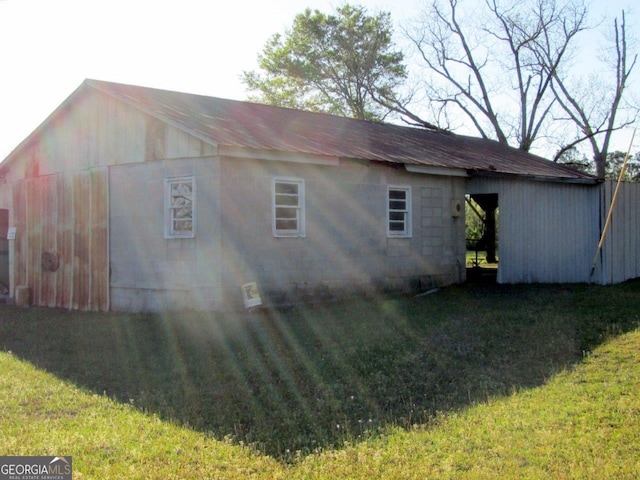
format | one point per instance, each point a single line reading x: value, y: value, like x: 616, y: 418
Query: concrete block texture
x: 345, y: 249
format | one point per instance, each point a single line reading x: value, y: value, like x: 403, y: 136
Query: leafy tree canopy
x: 344, y: 64
x: 613, y: 164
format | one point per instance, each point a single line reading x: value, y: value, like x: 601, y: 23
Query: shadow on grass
x: 296, y: 380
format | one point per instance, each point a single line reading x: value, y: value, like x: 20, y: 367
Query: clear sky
x: 48, y: 47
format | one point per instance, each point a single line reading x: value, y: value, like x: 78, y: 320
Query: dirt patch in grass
x: 293, y: 381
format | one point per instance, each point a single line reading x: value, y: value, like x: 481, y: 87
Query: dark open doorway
x: 482, y: 211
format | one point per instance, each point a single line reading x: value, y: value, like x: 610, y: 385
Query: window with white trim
x: 179, y: 207
x: 399, y: 211
x: 288, y: 207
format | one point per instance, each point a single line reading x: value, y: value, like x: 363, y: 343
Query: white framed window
x: 180, y: 196
x: 398, y: 211
x: 288, y: 207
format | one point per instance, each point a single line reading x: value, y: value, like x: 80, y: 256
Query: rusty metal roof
x: 242, y: 124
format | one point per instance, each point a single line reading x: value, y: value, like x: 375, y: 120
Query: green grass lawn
x: 466, y: 382
x: 479, y: 259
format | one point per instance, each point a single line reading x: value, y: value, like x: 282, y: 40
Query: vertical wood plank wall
x: 65, y: 214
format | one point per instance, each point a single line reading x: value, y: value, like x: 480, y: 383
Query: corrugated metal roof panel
x: 250, y: 125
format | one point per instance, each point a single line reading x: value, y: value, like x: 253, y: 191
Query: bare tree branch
x: 468, y: 71
x: 579, y: 140
x: 599, y: 130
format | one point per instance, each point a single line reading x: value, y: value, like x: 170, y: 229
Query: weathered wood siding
x: 65, y: 215
x: 548, y: 232
x: 59, y: 202
x: 4, y: 248
x: 620, y: 257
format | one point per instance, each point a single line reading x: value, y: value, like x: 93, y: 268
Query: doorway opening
x: 481, y: 220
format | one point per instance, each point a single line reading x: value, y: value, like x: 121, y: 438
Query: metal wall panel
x: 548, y: 232
x: 620, y: 256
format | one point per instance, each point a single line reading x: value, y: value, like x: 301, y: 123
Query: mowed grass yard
x: 468, y: 382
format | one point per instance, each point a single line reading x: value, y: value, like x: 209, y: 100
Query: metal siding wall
x: 634, y: 234
x: 631, y: 239
x: 607, y: 255
x: 564, y: 246
x: 548, y: 232
x: 620, y: 257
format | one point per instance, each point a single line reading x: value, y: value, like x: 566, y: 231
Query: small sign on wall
x: 251, y: 295
x: 11, y: 233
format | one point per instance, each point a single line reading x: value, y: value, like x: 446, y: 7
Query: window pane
x: 182, y: 226
x: 182, y: 213
x: 288, y: 207
x: 397, y: 194
x: 180, y: 207
x: 181, y: 188
x: 180, y: 202
x: 287, y: 224
x: 181, y: 192
x: 399, y: 211
x: 286, y: 213
x: 397, y: 205
x: 287, y: 200
x: 288, y: 188
x: 397, y: 216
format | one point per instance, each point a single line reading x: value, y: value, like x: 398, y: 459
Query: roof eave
x: 586, y: 180
x: 436, y: 170
x: 277, y: 155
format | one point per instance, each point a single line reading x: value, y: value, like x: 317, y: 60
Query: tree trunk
x: 600, y: 161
